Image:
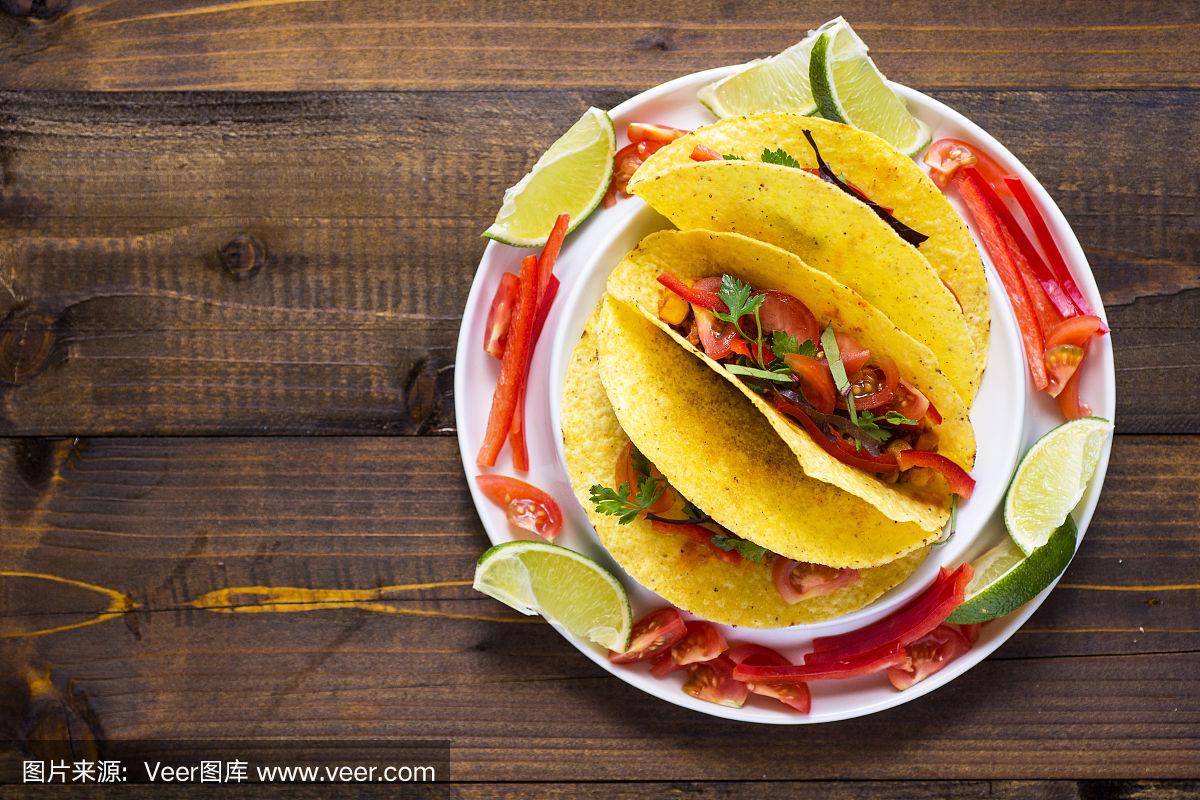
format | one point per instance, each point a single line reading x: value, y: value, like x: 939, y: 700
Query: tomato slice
x: 946, y: 156
x: 628, y: 475
x: 835, y: 445
x: 1075, y: 331
x: 874, y: 385
x: 854, y: 355
x: 1068, y: 399
x: 652, y: 635
x: 800, y: 580
x: 1065, y: 347
x: 716, y: 337
x: 961, y: 483
x: 816, y: 382
x: 795, y: 695
x: 697, y: 297
x: 970, y: 632
x: 525, y: 505
x: 698, y: 534
x: 702, y: 642
x: 891, y: 655
x: 495, y: 330
x: 652, y: 132
x: 910, y: 402
x: 928, y: 655
x: 625, y: 163
x: 1061, y: 363
x: 703, y: 152
x: 781, y: 311
x: 920, y: 616
x: 713, y: 682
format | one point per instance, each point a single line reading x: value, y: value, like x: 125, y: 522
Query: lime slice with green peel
x: 570, y: 178
x: 847, y: 87
x: 561, y: 585
x: 778, y: 83
x: 1006, y: 579
x: 1050, y: 480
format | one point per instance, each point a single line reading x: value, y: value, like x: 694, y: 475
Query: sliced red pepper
x: 700, y: 535
x: 703, y: 152
x: 514, y: 367
x: 972, y: 189
x: 842, y: 452
x: 891, y: 655
x: 549, y: 253
x: 919, y: 617
x: 1053, y: 254
x: 697, y: 297
x: 961, y: 483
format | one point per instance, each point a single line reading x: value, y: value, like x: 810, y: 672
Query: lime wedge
x: 847, y: 87
x: 1006, y: 579
x: 561, y: 585
x: 778, y: 83
x: 1051, y: 478
x: 570, y: 178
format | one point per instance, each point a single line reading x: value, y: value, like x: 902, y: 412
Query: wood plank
x: 234, y: 562
x: 380, y: 44
x: 118, y: 316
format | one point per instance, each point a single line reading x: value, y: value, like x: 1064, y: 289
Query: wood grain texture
x: 418, y: 44
x: 118, y: 314
x: 1099, y: 683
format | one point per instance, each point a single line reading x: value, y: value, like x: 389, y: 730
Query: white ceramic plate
x: 1008, y: 416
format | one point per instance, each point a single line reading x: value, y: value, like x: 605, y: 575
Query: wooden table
x: 227, y: 320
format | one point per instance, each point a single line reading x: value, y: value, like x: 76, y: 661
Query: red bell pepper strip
x: 971, y: 187
x: 549, y: 254
x: 1053, y: 254
x: 697, y: 297
x: 892, y: 655
x: 703, y: 152
x: 845, y: 453
x: 1035, y: 272
x: 700, y: 535
x: 514, y: 367
x: 902, y: 628
x: 961, y: 483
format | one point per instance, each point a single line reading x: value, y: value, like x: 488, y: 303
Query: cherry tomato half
x: 910, y: 402
x: 525, y: 505
x: 782, y: 312
x: 652, y: 635
x: 854, y: 355
x: 945, y: 156
x: 495, y: 330
x: 795, y: 695
x: 800, y: 580
x: 628, y: 475
x: 1064, y: 349
x: 716, y: 337
x: 713, y: 682
x: 816, y: 382
x: 702, y: 642
x: 928, y: 655
x: 874, y: 385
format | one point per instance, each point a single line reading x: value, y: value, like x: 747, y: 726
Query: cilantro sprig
x: 743, y: 547
x: 781, y: 157
x: 623, y: 503
x: 869, y: 424
x: 741, y: 300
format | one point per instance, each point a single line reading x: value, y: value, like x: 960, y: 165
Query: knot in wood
x: 243, y: 256
x: 26, y: 346
x: 37, y: 9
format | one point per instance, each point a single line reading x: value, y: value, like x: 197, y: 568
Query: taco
x: 861, y: 405
x: 682, y: 554
x: 847, y: 204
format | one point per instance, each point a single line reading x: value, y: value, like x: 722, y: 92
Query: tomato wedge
x: 703, y: 152
x: 713, y: 682
x: 816, y: 382
x: 961, y: 483
x: 910, y: 402
x: 781, y: 311
x: 892, y: 655
x: 972, y: 189
x: 920, y: 616
x: 702, y: 642
x: 795, y: 695
x: 716, y: 338
x: 854, y: 355
x: 697, y: 297
x: 800, y: 580
x: 652, y: 635
x: 874, y: 385
x: 1065, y: 347
x: 651, y: 132
x: 1068, y: 399
x: 928, y: 655
x: 698, y: 534
x: 946, y: 156
x: 495, y: 330
x: 625, y: 163
x: 525, y: 505
x: 628, y: 475
x: 514, y: 367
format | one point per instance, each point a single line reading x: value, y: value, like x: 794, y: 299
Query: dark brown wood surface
x: 195, y: 286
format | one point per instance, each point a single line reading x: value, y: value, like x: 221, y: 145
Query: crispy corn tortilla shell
x: 696, y: 254
x: 721, y: 454
x: 830, y: 231
x: 681, y: 571
x: 886, y: 176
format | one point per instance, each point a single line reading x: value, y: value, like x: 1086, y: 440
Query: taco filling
x: 853, y: 402
x: 642, y: 491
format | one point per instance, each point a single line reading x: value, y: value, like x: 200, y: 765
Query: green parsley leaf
x: 618, y: 503
x: 869, y: 423
x: 754, y: 372
x: 780, y: 156
x: 731, y: 157
x: 747, y: 549
x: 783, y: 343
x: 829, y: 344
x: 641, y: 464
x: 738, y: 296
